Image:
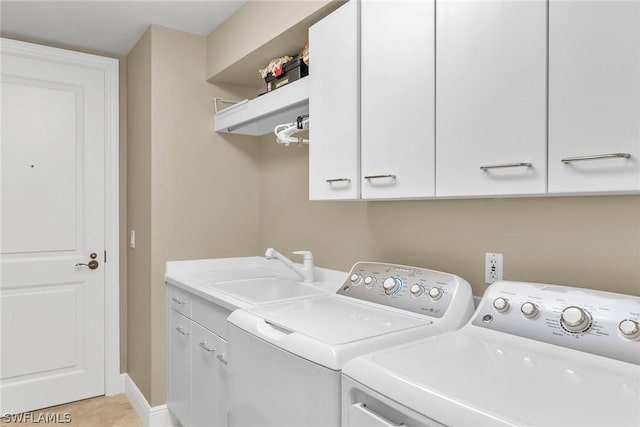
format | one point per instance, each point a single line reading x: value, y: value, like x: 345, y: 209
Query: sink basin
x: 266, y: 289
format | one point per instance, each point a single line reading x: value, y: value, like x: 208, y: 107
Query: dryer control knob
x: 369, y: 281
x: 416, y: 290
x: 501, y: 304
x: 435, y: 293
x: 629, y: 328
x: 529, y: 310
x: 355, y: 279
x: 391, y: 285
x: 575, y: 319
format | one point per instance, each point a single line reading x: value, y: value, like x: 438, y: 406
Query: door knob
x: 93, y: 264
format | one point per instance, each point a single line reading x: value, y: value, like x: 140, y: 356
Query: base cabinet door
x: 206, y: 378
x: 179, y: 363
x: 223, y: 383
x: 197, y: 362
x: 491, y: 107
x: 594, y: 96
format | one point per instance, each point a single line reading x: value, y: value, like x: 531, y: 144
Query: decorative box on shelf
x: 288, y: 72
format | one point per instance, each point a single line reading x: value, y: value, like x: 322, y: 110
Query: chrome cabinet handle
x: 203, y: 345
x: 507, y: 165
x: 331, y: 181
x: 182, y: 331
x: 220, y: 357
x: 380, y: 176
x: 568, y: 160
x: 178, y: 301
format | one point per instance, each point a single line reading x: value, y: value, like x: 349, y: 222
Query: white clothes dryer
x: 533, y: 355
x: 286, y: 358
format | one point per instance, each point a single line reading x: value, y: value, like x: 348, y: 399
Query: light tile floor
x: 112, y: 411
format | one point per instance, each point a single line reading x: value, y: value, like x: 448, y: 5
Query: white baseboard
x: 157, y: 416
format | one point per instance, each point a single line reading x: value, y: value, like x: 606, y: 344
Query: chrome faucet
x: 306, y: 272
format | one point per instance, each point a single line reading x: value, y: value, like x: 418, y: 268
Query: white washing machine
x: 286, y: 358
x: 533, y: 355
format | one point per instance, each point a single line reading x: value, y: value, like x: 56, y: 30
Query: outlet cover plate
x: 493, y: 264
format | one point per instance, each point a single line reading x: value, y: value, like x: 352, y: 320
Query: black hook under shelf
x: 300, y: 119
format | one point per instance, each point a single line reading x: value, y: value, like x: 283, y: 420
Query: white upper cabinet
x: 594, y: 96
x: 397, y: 99
x: 333, y: 106
x: 491, y: 122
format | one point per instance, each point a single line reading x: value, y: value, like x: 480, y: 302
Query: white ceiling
x: 108, y: 26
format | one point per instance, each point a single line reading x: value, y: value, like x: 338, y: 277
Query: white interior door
x: 52, y: 219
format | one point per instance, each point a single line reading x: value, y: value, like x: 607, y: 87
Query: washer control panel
x: 414, y: 289
x: 596, y: 322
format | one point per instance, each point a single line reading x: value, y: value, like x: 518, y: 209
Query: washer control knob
x: 529, y: 310
x: 355, y: 279
x: 369, y: 281
x: 435, y: 293
x: 416, y: 290
x: 391, y: 285
x: 629, y: 328
x: 501, y: 304
x: 575, y: 319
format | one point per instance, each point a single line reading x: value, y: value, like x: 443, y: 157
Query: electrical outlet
x: 492, y: 267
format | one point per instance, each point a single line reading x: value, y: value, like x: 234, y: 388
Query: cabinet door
x: 179, y: 367
x: 333, y: 106
x: 223, y: 394
x: 397, y: 99
x: 491, y: 124
x: 205, y: 378
x: 594, y: 96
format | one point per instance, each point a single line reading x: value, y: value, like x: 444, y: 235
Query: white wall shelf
x: 259, y: 116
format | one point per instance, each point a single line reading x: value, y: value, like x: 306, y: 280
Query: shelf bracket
x: 223, y: 101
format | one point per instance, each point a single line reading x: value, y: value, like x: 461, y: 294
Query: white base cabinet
x: 208, y: 379
x: 197, y: 365
x: 179, y: 367
x: 594, y: 96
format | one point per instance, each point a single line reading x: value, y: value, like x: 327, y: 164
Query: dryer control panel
x: 595, y: 322
x: 419, y: 290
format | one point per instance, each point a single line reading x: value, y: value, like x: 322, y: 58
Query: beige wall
x: 123, y: 214
x: 192, y: 192
x: 139, y: 213
x: 591, y: 242
x: 204, y: 197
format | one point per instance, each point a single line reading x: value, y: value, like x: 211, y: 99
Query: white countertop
x: 196, y: 276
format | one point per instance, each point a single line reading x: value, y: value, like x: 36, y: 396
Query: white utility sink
x: 265, y: 289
